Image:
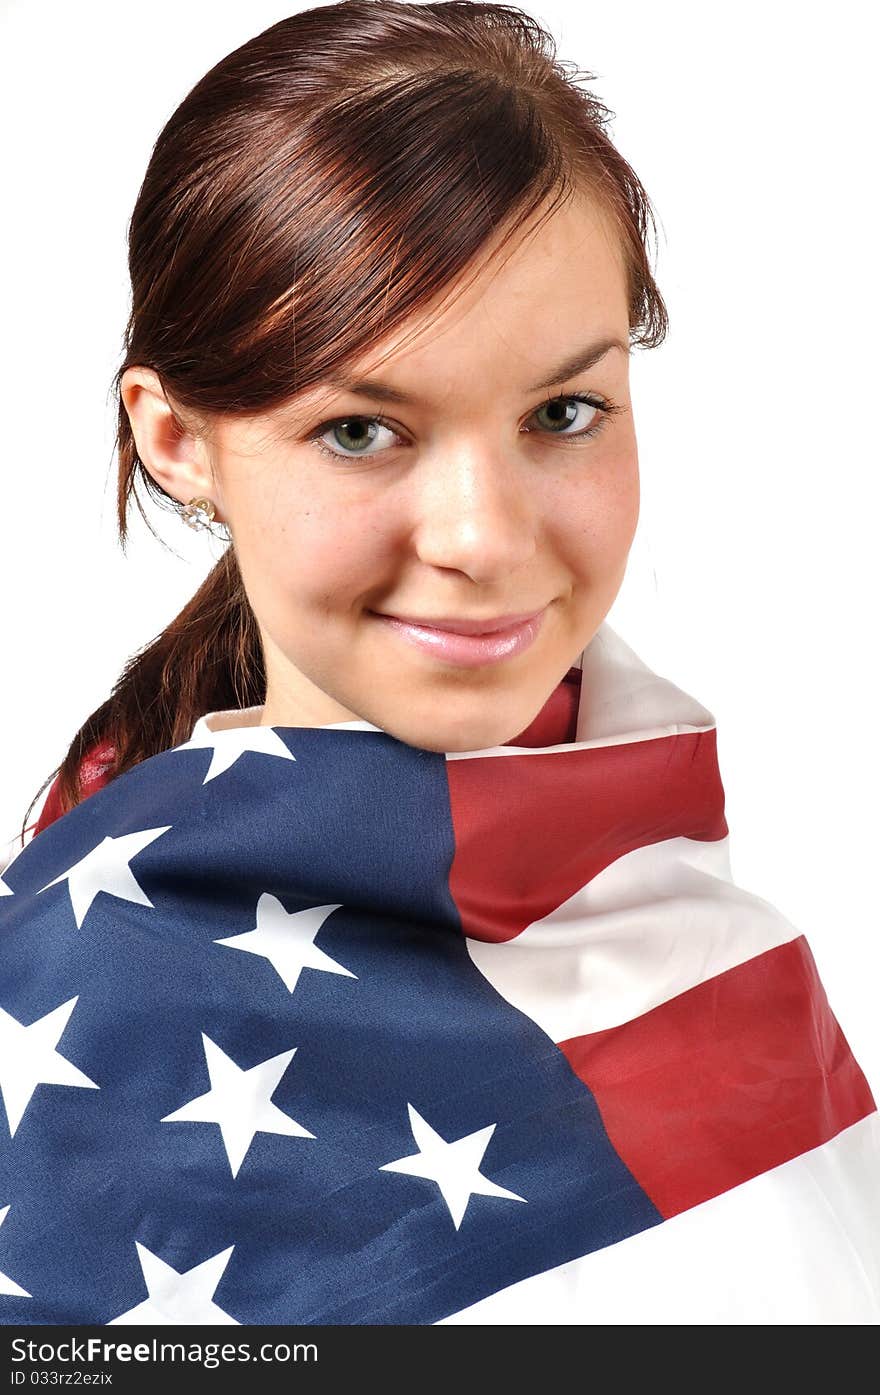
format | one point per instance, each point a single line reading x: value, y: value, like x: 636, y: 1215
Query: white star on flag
x: 240, y: 1102
x: 287, y: 939
x: 455, y: 1167
x: 4, y: 889
x: 8, y: 1285
x: 106, y: 868
x: 175, y: 1298
x: 231, y: 742
x: 28, y: 1058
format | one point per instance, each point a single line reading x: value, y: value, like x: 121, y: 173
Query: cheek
x: 598, y: 512
x: 317, y: 555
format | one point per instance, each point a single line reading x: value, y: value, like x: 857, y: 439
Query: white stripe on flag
x: 797, y: 1245
x: 655, y: 922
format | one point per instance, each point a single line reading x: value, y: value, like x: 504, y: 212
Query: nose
x: 475, y: 512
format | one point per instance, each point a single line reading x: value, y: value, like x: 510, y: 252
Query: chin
x: 454, y: 744
x: 478, y: 736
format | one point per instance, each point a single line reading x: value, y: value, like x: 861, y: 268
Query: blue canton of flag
x: 250, y: 1072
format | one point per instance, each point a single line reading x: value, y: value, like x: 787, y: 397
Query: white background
x: 753, y: 580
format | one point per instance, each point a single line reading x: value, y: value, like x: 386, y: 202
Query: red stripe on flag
x: 557, y: 720
x: 725, y: 1081
x: 566, y: 817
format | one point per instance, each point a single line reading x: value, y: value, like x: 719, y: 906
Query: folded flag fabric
x: 309, y: 1025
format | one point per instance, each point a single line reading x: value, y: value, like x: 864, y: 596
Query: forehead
x: 547, y: 292
x: 517, y: 313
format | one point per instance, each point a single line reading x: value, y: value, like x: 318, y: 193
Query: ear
x: 175, y: 456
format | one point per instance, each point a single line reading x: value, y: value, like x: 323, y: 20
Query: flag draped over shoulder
x: 308, y: 1025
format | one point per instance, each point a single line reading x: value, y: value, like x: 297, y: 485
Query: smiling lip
x: 485, y: 641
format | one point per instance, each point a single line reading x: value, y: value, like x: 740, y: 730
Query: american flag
x: 311, y: 1026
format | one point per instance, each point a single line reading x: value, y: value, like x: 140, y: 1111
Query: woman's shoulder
x: 95, y: 771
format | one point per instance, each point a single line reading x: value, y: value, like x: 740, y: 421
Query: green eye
x: 354, y: 435
x: 357, y: 430
x: 560, y: 412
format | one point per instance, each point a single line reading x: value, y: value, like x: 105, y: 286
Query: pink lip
x: 480, y: 645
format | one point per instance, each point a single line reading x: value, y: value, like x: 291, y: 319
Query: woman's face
x: 451, y: 492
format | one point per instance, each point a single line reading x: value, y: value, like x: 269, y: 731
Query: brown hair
x: 317, y: 187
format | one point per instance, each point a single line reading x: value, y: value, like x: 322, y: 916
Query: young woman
x: 377, y: 958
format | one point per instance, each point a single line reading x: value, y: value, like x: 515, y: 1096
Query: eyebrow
x: 579, y: 362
